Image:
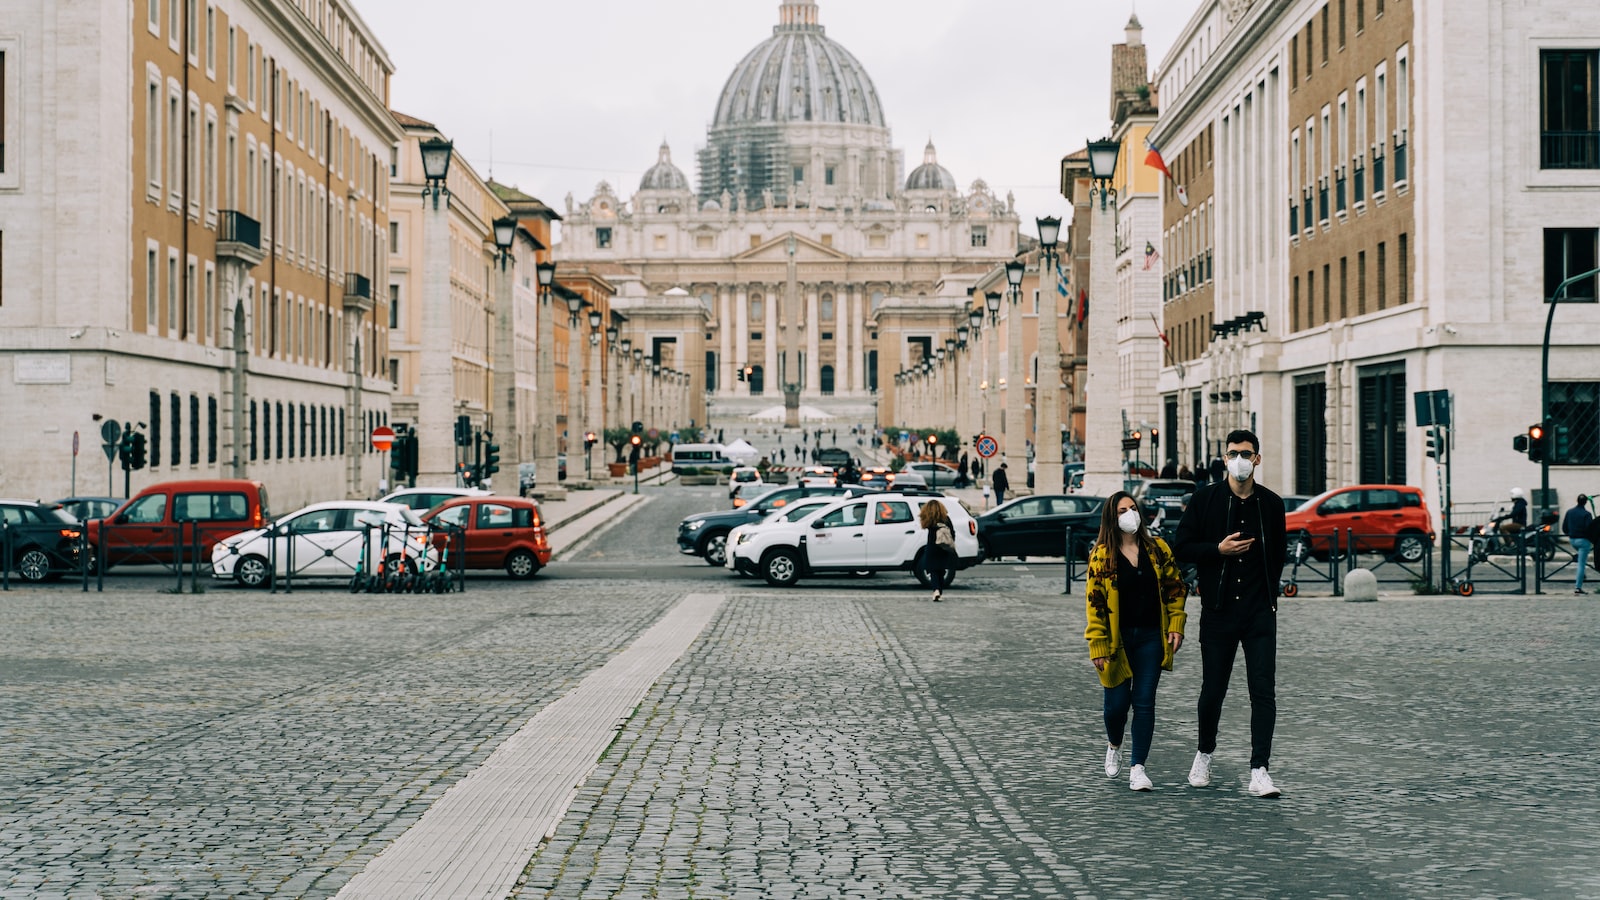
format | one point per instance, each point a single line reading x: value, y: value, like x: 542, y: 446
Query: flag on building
x: 1153, y: 160
x: 1062, y: 287
x: 1150, y: 255
x: 1083, y: 306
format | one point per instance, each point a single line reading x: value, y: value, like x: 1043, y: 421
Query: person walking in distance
x: 1233, y: 532
x: 1002, y: 483
x: 1575, y: 526
x: 1135, y: 597
x: 939, y: 556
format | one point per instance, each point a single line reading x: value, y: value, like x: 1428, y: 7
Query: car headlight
x: 694, y: 526
x: 743, y: 538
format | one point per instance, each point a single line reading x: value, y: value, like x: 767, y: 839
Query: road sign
x: 111, y: 431
x: 382, y: 438
x: 74, y: 443
x: 987, y: 446
x: 653, y: 434
x: 1130, y: 443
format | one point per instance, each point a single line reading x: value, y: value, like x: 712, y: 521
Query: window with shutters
x: 1383, y: 424
x: 1310, y: 436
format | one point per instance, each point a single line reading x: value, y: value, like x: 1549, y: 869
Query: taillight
x: 972, y: 527
x: 255, y: 518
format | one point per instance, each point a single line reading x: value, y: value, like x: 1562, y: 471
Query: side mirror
x: 817, y: 525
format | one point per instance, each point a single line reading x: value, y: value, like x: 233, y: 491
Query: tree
x: 617, y: 439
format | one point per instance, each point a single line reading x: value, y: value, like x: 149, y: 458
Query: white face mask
x: 1129, y: 521
x: 1240, y: 468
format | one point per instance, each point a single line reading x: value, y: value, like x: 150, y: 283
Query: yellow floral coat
x: 1104, y: 631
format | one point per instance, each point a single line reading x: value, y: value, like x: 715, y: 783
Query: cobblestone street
x: 840, y: 739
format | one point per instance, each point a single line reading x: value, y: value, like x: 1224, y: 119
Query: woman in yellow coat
x: 1136, y: 618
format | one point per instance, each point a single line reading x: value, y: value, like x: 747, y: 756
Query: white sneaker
x: 1261, y: 783
x: 1138, y: 780
x: 1113, y: 761
x: 1200, y: 772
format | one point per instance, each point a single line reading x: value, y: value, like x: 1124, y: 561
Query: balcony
x: 1294, y: 219
x: 1569, y: 150
x: 1322, y: 201
x: 1377, y: 173
x: 239, y: 238
x: 358, y: 293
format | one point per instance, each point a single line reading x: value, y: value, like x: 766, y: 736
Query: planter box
x: 617, y: 470
x: 649, y: 462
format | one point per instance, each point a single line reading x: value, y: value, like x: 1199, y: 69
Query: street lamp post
x: 436, y: 448
x: 1544, y: 381
x: 574, y: 429
x: 546, y: 432
x: 991, y: 355
x: 1016, y: 396
x: 594, y: 419
x: 1048, y: 475
x: 1102, y: 471
x: 504, y: 401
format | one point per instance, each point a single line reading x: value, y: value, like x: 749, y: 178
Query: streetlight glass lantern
x: 547, y: 274
x: 950, y: 346
x: 938, y: 354
x: 638, y: 354
x: 594, y: 319
x: 992, y: 300
x: 505, y: 231
x: 1049, y: 232
x: 627, y: 346
x: 1103, y: 159
x: 574, y: 305
x: 1014, y: 272
x: 655, y: 368
x: 436, y: 158
x: 975, y: 319
x: 611, y: 335
x: 962, y: 333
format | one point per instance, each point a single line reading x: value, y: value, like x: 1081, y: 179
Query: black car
x: 1037, y: 526
x: 44, y: 539
x: 706, y: 534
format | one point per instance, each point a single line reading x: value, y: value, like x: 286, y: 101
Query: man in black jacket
x: 1233, y: 532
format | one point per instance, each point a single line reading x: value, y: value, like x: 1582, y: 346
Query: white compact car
x: 794, y: 512
x: 873, y: 533
x: 423, y: 499
x: 818, y: 476
x: 327, y: 541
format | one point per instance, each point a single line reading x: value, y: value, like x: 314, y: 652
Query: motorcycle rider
x: 1517, y: 520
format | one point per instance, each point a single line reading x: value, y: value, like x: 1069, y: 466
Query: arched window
x: 827, y: 380
x: 756, y: 309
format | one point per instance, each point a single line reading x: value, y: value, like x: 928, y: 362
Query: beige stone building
x: 193, y: 206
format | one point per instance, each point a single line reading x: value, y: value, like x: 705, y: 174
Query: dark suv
x: 44, y: 539
x: 706, y: 534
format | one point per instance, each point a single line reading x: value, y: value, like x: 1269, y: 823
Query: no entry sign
x: 382, y: 438
x: 987, y: 446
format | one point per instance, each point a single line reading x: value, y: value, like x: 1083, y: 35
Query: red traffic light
x: 1535, y: 432
x: 635, y: 440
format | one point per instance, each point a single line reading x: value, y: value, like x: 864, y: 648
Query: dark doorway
x: 1310, y: 436
x: 757, y: 379
x: 1383, y: 424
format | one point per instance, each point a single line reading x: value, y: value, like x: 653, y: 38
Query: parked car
x: 146, y: 529
x: 1037, y: 526
x: 741, y: 476
x: 44, y: 539
x: 324, y: 540
x: 527, y: 477
x: 854, y: 535
x: 1385, y: 518
x: 1171, y: 496
x: 835, y: 457
x: 706, y: 534
x: 423, y: 499
x: 907, y: 480
x: 818, y: 476
x: 877, y: 477
x: 934, y: 474
x: 85, y: 508
x: 501, y: 533
x: 744, y: 493
x: 794, y: 512
x: 1292, y: 502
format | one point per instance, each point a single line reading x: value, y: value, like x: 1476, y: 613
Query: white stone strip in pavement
x: 572, y: 537
x: 475, y: 840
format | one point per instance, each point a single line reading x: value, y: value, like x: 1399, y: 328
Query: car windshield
x: 798, y: 511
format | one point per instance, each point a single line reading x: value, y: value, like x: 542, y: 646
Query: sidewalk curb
x: 611, y: 517
x: 552, y: 527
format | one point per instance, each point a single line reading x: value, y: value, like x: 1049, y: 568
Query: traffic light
x: 1536, y: 442
x: 589, y: 440
x: 633, y: 453
x: 463, y: 431
x: 1561, y: 449
x: 1155, y: 438
x: 491, y: 456
x: 125, y: 450
x: 403, y: 458
x: 141, y: 451
x: 638, y: 428
x: 469, y: 475
x: 1520, y: 443
x: 741, y: 373
x: 933, y: 440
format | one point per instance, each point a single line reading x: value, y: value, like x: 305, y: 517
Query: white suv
x: 873, y: 533
x: 803, y: 508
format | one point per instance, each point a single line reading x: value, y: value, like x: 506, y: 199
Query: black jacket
x: 1001, y: 482
x: 1205, y: 524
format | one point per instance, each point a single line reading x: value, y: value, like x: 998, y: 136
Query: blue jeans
x: 1143, y: 646
x: 1583, y: 546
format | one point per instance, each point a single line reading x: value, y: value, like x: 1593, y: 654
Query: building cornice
x: 1220, y: 68
x: 325, y: 61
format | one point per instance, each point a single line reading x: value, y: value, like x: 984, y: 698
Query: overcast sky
x: 576, y: 91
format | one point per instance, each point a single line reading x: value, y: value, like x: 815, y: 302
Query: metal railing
x: 1569, y: 150
x: 235, y: 227
x: 357, y: 285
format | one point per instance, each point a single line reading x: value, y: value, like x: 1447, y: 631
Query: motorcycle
x: 1488, y: 540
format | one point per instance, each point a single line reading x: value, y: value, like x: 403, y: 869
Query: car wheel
x: 715, y: 549
x: 33, y: 564
x: 252, y: 572
x: 522, y: 565
x: 1410, y: 547
x: 781, y: 568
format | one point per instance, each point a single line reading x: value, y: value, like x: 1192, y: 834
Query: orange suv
x: 1387, y: 518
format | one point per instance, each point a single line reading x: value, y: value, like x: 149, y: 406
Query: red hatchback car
x: 1383, y: 518
x: 501, y: 533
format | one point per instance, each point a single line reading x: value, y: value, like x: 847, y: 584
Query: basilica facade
x: 814, y: 263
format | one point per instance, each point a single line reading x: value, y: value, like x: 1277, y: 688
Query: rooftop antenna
x: 491, y: 154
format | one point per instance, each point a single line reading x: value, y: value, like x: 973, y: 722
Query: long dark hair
x: 1110, y: 534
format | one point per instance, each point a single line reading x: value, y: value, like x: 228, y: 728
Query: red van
x: 501, y: 533
x: 150, y: 527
